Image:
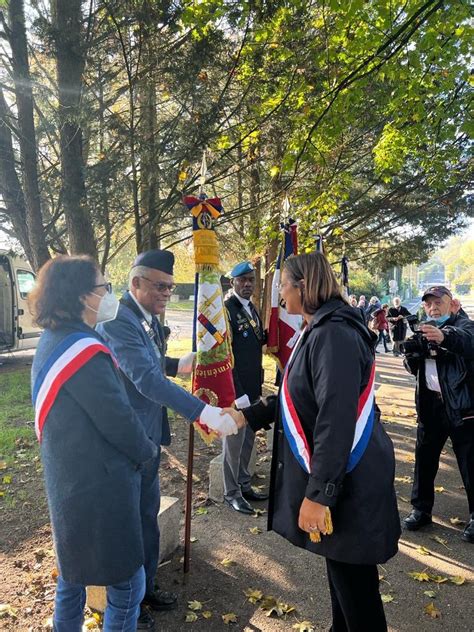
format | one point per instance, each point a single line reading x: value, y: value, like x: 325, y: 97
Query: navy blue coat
x: 329, y: 371
x: 91, y: 450
x: 147, y: 386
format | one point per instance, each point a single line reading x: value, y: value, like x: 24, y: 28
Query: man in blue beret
x: 137, y: 340
x: 248, y: 337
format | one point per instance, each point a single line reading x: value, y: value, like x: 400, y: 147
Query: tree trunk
x: 67, y: 21
x: 27, y: 133
x: 10, y: 185
x: 254, y: 229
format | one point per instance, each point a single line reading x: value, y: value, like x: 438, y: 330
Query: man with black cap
x: 445, y: 402
x: 137, y: 341
x: 248, y: 337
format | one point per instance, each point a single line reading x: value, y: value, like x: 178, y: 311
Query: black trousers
x: 431, y: 436
x: 355, y: 597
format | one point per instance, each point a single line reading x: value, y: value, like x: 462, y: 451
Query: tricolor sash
x: 66, y: 359
x: 294, y: 430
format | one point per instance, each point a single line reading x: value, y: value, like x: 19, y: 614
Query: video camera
x: 417, y: 346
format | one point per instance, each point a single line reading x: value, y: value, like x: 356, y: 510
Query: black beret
x: 158, y: 259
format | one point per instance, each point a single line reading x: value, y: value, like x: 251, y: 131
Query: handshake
x: 225, y: 421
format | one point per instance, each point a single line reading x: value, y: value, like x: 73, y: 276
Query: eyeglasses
x: 161, y: 287
x: 108, y: 286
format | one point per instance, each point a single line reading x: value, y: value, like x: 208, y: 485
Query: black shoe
x: 252, y: 494
x: 239, y: 504
x: 417, y: 519
x: 145, y: 620
x: 468, y: 533
x: 161, y: 600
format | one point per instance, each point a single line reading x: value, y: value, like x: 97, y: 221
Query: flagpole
x: 188, y: 508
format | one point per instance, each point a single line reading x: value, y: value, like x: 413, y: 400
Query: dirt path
x: 261, y: 561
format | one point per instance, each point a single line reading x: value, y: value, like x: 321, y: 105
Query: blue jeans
x: 121, y: 613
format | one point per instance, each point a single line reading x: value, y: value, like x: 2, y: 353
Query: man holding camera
x: 442, y: 359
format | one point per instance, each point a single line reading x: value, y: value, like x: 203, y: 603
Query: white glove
x: 186, y: 363
x: 212, y: 418
x: 242, y: 401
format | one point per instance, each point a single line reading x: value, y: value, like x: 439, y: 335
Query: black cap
x: 438, y: 291
x: 157, y: 259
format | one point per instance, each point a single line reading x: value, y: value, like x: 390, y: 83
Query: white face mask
x: 108, y: 307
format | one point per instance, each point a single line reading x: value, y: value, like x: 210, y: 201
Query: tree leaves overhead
x: 357, y: 110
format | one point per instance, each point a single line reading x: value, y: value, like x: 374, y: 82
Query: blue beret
x: 244, y: 267
x: 158, y: 259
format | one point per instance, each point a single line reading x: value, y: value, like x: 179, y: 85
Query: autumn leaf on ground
x: 207, y: 614
x: 433, y: 611
x: 90, y: 623
x: 386, y: 598
x: 3, y: 465
x: 436, y: 538
x: 439, y: 489
x: 405, y: 500
x: 201, y: 511
x: 430, y: 593
x: 7, y: 611
x: 456, y: 521
x: 230, y: 617
x: 421, y: 577
x: 403, y: 479
x: 273, y: 606
x: 194, y: 605
x: 227, y: 562
x: 261, y: 476
x: 255, y: 530
x: 6, y: 480
x: 304, y: 626
x: 258, y: 512
x: 437, y: 579
x: 254, y: 596
x: 410, y: 458
x: 423, y: 550
x: 191, y: 617
x: 193, y: 539
x: 458, y: 580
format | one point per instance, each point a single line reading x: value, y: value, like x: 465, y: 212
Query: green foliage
x: 366, y: 283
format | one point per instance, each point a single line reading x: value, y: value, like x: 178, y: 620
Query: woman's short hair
x: 320, y: 283
x: 62, y: 281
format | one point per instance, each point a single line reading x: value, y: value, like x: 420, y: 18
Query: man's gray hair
x: 137, y: 271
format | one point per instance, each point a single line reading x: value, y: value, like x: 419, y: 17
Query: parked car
x: 17, y: 330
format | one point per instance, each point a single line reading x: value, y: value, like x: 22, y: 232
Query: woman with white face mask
x: 92, y: 446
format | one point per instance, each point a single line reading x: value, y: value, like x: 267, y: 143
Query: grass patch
x: 182, y: 306
x: 15, y: 409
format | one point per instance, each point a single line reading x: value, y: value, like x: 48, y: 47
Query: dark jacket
x: 91, y: 450
x: 399, y: 327
x: 455, y: 366
x: 247, y: 342
x: 328, y: 373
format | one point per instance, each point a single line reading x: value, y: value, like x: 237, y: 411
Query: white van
x: 17, y: 330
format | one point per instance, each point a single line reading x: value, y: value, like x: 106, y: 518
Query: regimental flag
x: 345, y: 275
x: 283, y: 328
x: 319, y: 245
x: 212, y: 382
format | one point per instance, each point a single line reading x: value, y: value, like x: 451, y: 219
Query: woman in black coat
x: 396, y: 317
x: 332, y: 457
x: 92, y: 447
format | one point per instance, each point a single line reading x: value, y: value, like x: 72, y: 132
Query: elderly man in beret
x: 248, y: 337
x: 444, y: 370
x: 137, y: 340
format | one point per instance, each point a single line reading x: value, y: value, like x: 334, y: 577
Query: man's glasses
x: 108, y: 286
x: 161, y: 287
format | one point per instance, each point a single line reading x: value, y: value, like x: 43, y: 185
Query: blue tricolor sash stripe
x: 294, y: 430
x: 66, y: 359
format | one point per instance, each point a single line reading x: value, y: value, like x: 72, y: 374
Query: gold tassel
x: 315, y: 536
